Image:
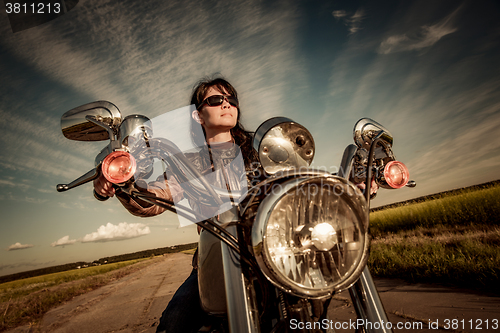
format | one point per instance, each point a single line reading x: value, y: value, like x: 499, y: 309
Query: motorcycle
x: 278, y: 240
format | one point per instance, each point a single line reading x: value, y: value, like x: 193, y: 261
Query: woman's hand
x: 103, y: 187
x: 373, y: 187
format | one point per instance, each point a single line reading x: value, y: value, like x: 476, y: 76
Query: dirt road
x: 135, y: 303
x: 131, y: 304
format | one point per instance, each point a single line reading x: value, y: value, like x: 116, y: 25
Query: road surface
x: 135, y: 303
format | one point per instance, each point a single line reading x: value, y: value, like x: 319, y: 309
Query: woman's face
x: 220, y: 118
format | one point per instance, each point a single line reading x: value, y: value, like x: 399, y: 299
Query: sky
x: 427, y: 70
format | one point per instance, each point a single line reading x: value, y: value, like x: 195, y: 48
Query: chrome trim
x: 265, y: 127
x: 134, y: 125
x: 411, y: 183
x: 102, y: 154
x: 365, y: 131
x: 240, y: 312
x: 347, y: 161
x: 259, y: 230
x: 89, y: 176
x: 283, y: 144
x: 367, y: 303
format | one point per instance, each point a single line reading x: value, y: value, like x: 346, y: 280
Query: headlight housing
x: 310, y: 235
x: 283, y: 144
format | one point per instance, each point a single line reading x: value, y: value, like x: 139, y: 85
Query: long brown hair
x: 241, y: 137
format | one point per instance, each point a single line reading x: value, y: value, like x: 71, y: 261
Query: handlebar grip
x: 100, y: 197
x: 411, y: 183
x: 62, y: 187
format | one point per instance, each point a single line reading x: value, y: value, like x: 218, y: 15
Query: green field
x: 451, y: 240
x: 27, y: 300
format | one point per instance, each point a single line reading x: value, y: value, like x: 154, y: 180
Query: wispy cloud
x: 339, y: 14
x: 44, y: 190
x: 19, y: 246
x: 72, y: 205
x: 38, y: 147
x: 34, y: 200
x: 63, y: 241
x: 140, y: 61
x: 111, y: 232
x: 12, y: 183
x: 422, y: 37
x: 442, y: 112
x: 352, y: 22
x: 133, y: 63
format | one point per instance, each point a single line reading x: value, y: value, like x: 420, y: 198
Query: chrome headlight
x: 283, y: 144
x: 310, y: 235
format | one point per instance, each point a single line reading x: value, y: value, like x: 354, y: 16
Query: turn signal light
x: 396, y: 174
x: 118, y: 167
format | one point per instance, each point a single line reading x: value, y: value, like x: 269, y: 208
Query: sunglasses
x: 217, y: 100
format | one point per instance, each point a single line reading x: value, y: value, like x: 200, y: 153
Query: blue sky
x: 427, y: 70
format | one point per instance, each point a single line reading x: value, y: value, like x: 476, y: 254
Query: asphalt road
x: 135, y: 303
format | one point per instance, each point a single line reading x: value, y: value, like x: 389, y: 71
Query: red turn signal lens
x: 396, y: 174
x: 118, y: 167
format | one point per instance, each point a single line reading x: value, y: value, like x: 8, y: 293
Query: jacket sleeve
x: 170, y: 190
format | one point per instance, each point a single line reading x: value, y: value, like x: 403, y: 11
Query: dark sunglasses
x: 217, y: 100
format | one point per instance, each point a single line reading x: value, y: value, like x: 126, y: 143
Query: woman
x: 218, y: 113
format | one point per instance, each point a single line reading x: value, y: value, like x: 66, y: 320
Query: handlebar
x: 88, y: 177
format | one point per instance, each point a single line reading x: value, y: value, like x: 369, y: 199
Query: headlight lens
x: 310, y: 235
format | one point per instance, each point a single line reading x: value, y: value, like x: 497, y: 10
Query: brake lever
x: 88, y: 177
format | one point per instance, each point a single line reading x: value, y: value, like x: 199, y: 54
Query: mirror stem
x: 103, y: 125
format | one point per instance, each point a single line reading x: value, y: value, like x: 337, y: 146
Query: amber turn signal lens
x: 396, y: 174
x: 118, y: 167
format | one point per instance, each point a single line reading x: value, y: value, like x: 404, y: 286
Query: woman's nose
x: 226, y: 104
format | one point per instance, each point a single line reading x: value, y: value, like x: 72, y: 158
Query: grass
x: 451, y: 240
x: 26, y: 301
x: 476, y: 209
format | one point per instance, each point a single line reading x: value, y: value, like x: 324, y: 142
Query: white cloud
x: 149, y: 59
x: 34, y: 200
x: 19, y: 246
x: 111, y: 232
x: 353, y: 23
x: 338, y: 14
x: 148, y: 68
x: 11, y: 183
x: 63, y: 241
x: 443, y: 112
x: 424, y: 36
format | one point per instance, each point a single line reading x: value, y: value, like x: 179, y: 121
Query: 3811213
x: 455, y: 324
x: 46, y: 7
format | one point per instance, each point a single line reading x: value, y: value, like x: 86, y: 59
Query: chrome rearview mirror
x: 76, y: 124
x: 365, y: 131
x: 283, y: 144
